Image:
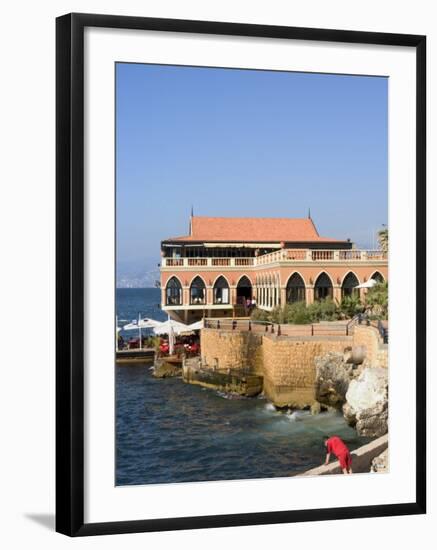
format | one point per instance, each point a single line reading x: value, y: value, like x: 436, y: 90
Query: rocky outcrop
x: 366, y: 405
x: 354, y: 355
x: 333, y: 376
x: 166, y: 370
x: 228, y: 381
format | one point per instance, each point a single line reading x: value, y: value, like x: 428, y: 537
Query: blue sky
x: 246, y: 143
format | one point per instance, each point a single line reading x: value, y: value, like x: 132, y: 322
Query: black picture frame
x: 70, y: 273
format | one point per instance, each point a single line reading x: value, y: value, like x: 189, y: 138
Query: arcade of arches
x: 267, y: 289
x: 269, y: 292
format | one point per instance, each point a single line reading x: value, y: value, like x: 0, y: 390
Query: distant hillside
x: 137, y: 274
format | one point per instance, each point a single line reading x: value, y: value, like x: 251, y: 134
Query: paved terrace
x: 334, y: 329
x: 324, y: 328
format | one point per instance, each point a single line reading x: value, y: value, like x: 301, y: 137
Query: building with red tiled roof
x: 265, y: 230
x: 225, y: 263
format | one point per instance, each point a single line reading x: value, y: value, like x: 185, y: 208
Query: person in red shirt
x: 337, y: 446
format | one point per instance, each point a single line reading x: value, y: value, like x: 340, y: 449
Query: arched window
x: 197, y: 292
x: 323, y: 287
x: 348, y: 286
x: 221, y: 291
x: 377, y: 277
x: 244, y: 290
x: 173, y: 292
x: 295, y: 289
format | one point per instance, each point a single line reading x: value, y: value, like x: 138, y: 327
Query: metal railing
x: 264, y: 327
x: 363, y: 319
x: 383, y: 331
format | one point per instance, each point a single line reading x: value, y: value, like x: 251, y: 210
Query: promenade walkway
x: 338, y: 328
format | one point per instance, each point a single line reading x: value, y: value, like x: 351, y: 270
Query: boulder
x: 166, y: 370
x: 333, y: 376
x: 366, y: 405
x: 354, y: 355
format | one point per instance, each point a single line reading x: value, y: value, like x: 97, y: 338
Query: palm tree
x: 383, y: 239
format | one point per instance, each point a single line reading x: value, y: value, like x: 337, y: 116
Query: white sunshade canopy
x: 142, y: 323
x: 368, y: 284
x: 170, y: 326
x: 196, y: 326
x: 174, y: 327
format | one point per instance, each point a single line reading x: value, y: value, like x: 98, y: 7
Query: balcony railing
x: 283, y: 255
x: 208, y: 262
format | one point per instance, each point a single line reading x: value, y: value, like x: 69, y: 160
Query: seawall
x: 285, y: 362
x: 289, y: 367
x: 370, y: 339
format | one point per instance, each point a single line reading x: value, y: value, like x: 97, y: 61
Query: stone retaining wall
x: 286, y: 362
x: 289, y: 367
x: 225, y: 349
x: 370, y: 339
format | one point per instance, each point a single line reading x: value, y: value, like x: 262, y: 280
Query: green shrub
x: 299, y: 313
x: 323, y: 310
x: 260, y: 315
x: 350, y: 306
x: 377, y: 300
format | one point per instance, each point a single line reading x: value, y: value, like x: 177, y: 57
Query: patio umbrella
x: 170, y: 325
x: 196, y: 326
x: 142, y: 323
x: 368, y: 284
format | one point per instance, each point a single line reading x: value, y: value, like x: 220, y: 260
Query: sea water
x: 168, y: 431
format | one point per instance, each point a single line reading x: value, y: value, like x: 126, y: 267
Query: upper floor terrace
x: 282, y: 256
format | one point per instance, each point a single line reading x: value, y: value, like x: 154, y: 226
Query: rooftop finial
x: 309, y: 213
x: 190, y: 228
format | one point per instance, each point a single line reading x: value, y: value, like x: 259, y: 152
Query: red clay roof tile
x: 208, y: 229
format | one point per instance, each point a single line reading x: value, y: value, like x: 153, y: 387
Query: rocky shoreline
x: 360, y: 391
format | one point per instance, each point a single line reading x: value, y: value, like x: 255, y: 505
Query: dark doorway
x: 323, y: 288
x: 244, y: 290
x: 295, y: 289
x: 348, y: 286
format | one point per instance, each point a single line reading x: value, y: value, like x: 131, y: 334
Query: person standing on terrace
x: 337, y: 446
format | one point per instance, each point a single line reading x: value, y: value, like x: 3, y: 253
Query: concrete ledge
x: 361, y: 459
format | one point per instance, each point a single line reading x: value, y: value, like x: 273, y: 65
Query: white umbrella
x: 177, y: 328
x: 142, y: 323
x: 173, y: 328
x: 196, y: 326
x: 368, y: 284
